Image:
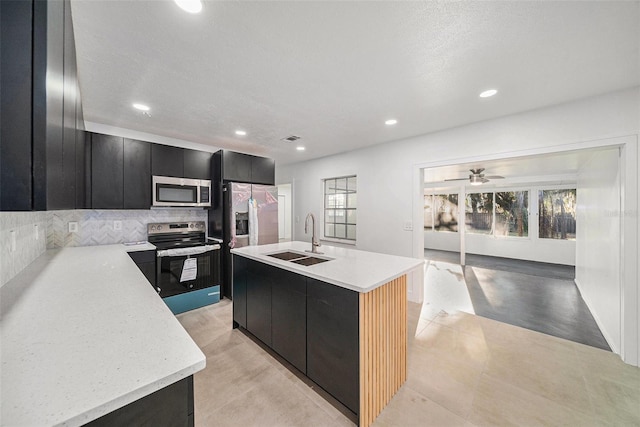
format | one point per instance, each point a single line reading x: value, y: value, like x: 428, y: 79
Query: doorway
x: 507, y: 294
x: 285, y: 212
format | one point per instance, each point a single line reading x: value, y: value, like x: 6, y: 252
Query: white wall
x: 598, y: 254
x: 29, y: 232
x: 390, y: 178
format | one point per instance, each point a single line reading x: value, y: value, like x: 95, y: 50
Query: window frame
x: 346, y: 209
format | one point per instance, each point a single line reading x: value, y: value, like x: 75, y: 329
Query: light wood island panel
x: 383, y: 346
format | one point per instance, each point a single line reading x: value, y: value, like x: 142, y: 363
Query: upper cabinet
x: 167, y: 160
x: 197, y: 164
x: 239, y: 167
x: 42, y: 151
x: 263, y: 170
x: 137, y: 174
x: 120, y: 173
x: 179, y: 162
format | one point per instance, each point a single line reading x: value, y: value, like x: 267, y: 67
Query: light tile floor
x: 464, y: 370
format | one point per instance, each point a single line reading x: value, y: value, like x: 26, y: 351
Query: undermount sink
x: 309, y: 260
x: 299, y: 258
x: 287, y: 255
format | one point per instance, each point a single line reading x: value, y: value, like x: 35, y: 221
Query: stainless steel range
x: 188, y: 269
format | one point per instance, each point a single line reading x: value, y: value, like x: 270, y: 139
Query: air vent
x: 291, y: 138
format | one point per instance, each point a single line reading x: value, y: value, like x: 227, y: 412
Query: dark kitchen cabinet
x: 137, y: 174
x: 146, y: 262
x: 41, y: 129
x: 120, y: 173
x: 263, y: 170
x: 289, y: 317
x: 169, y: 406
x: 332, y: 341
x: 197, y: 164
x: 259, y: 277
x: 16, y: 39
x: 107, y: 162
x: 239, y: 167
x: 167, y: 160
x: 236, y: 167
x: 239, y: 291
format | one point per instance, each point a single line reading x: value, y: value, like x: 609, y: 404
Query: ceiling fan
x: 477, y: 177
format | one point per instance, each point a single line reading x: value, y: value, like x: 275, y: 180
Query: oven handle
x: 196, y: 250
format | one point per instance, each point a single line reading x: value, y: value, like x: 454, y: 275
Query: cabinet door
x: 259, y: 301
x: 137, y: 174
x: 263, y: 170
x: 197, y: 164
x: 333, y: 341
x: 239, y: 291
x: 107, y: 157
x: 236, y: 167
x: 289, y: 317
x: 167, y: 160
x: 15, y: 105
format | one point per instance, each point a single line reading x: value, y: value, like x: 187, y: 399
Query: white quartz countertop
x: 353, y: 269
x: 83, y: 333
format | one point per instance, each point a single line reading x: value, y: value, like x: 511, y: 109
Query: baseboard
x: 604, y: 332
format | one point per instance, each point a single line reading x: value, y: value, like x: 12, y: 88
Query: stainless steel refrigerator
x: 250, y: 217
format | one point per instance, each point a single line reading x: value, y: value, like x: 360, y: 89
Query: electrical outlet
x: 408, y: 226
x: 73, y: 227
x: 117, y: 225
x: 36, y: 231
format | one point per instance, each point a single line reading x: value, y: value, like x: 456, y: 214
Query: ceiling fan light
x: 475, y: 180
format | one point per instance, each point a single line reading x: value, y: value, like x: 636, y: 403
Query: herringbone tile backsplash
x: 96, y: 227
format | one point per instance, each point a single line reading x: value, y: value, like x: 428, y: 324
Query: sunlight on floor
x: 446, y: 288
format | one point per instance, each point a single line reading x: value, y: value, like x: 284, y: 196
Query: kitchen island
x: 338, y: 317
x: 86, y: 339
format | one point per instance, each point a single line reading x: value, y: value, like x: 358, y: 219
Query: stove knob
x: 153, y: 228
x: 159, y: 227
x: 192, y: 226
x: 200, y: 225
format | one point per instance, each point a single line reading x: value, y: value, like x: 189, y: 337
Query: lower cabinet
x: 289, y: 317
x: 332, y: 341
x: 312, y: 324
x: 239, y: 291
x: 259, y: 301
x: 169, y: 406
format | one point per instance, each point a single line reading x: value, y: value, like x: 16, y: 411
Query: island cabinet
x: 351, y: 344
x: 332, y: 340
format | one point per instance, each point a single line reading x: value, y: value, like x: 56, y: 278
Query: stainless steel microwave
x: 182, y: 192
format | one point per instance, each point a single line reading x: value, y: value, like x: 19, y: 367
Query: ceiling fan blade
x: 457, y: 179
x: 494, y: 177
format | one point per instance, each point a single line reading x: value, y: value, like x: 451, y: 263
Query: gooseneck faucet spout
x: 315, y: 244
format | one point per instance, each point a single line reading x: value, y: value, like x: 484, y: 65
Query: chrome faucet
x: 315, y: 244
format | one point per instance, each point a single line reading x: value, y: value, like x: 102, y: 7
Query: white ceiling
x: 333, y: 71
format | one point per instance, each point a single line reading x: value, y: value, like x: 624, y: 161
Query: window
x: 340, y: 203
x: 512, y: 214
x: 479, y: 213
x: 557, y: 214
x: 441, y: 212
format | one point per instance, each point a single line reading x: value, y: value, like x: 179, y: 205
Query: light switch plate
x: 117, y: 225
x: 13, y: 240
x: 73, y: 227
x: 36, y: 231
x: 408, y: 226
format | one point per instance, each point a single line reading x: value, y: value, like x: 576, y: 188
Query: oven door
x: 187, y: 269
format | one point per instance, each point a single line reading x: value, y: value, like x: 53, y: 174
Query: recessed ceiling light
x: 488, y: 93
x: 141, y: 107
x: 391, y: 122
x: 300, y: 148
x: 191, y: 6
x: 241, y: 132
